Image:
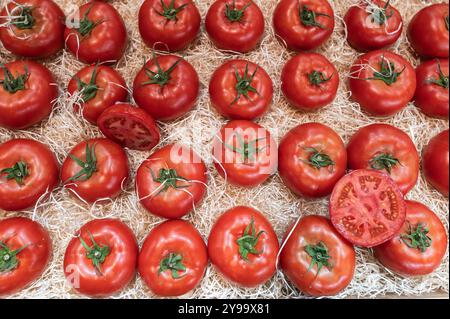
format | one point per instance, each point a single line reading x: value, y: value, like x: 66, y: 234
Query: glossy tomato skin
x: 224, y: 252
x: 428, y: 33
x: 295, y: 260
x: 129, y: 126
x: 172, y: 100
x: 43, y: 38
x: 176, y: 237
x: 241, y: 36
x: 167, y: 33
x: 296, y: 164
x: 435, y: 161
x: 396, y: 255
x: 16, y: 233
x: 355, y: 204
x: 172, y: 202
x: 30, y: 105
x: 107, y: 180
x: 224, y: 94
x: 366, y: 33
x: 229, y: 153
x: 111, y: 89
x: 374, y: 140
x: 107, y: 40
x: 42, y: 173
x: 304, y: 93
x: 432, y: 98
x: 297, y: 36
x: 119, y: 266
x: 375, y: 96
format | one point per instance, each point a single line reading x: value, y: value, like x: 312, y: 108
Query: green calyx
x: 316, y: 78
x: 387, y: 72
x: 173, y: 263
x: 8, y: 257
x: 169, y: 178
x: 96, y: 253
x: 18, y: 172
x: 88, y: 167
x: 417, y: 237
x: 247, y: 243
x: 248, y: 150
x: 442, y: 81
x: 87, y: 25
x: 379, y: 15
x: 244, y: 84
x: 233, y: 14
x: 13, y: 84
x: 318, y: 159
x: 88, y: 90
x: 161, y: 77
x: 24, y: 19
x: 319, y: 256
x: 384, y: 161
x: 170, y: 12
x: 308, y: 17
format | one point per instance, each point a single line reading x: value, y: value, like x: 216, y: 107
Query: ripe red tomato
x: 166, y: 87
x: 312, y: 159
x: 303, y: 24
x: 309, y: 81
x: 171, y: 182
x: 435, y: 161
x: 101, y: 260
x: 420, y: 246
x: 385, y: 148
x: 95, y: 170
x: 367, y: 208
x: 27, y: 93
x: 243, y: 246
x: 97, y: 87
x: 173, y: 259
x: 129, y: 126
x: 96, y: 33
x: 428, y: 31
x: 433, y: 88
x: 241, y: 90
x: 25, y: 251
x: 235, y: 25
x: 316, y: 258
x: 32, y: 28
x: 169, y: 24
x: 245, y: 153
x: 28, y: 173
x: 382, y: 82
x: 373, y: 25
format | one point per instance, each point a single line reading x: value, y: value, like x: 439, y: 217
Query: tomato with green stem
x: 171, y: 182
x: 316, y: 259
x: 241, y: 90
x: 101, y: 259
x: 95, y: 170
x: 167, y: 87
x: 173, y: 259
x: 243, y: 246
x: 435, y: 162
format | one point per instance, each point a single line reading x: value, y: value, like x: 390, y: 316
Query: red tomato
x: 432, y: 88
x: 385, y: 148
x: 96, y: 33
x: 309, y: 81
x: 373, y: 25
x: 171, y: 182
x: 25, y: 251
x: 316, y: 258
x: 27, y: 93
x: 303, y: 24
x: 428, y: 31
x: 97, y: 87
x: 435, y: 161
x: 35, y: 28
x: 419, y: 247
x: 235, y: 25
x: 241, y: 90
x: 382, y: 82
x: 367, y: 208
x: 245, y: 153
x: 170, y: 24
x: 173, y: 259
x: 95, y: 170
x: 28, y: 173
x: 312, y: 159
x: 166, y: 87
x: 101, y: 260
x: 129, y: 126
x: 243, y: 246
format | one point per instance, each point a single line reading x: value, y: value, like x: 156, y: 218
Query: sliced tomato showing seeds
x: 367, y: 208
x: 129, y: 126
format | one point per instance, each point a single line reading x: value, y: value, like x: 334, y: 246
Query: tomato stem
x: 170, y: 12
x: 379, y: 14
x: 89, y: 166
x: 161, y: 77
x: 174, y: 263
x: 88, y: 90
x: 25, y: 18
x: 318, y: 159
x: 244, y: 84
x: 442, y: 81
x: 316, y: 78
x: 8, y: 257
x: 86, y: 25
x: 96, y: 252
x: 233, y: 14
x: 384, y: 161
x: 18, y: 172
x: 308, y: 17
x: 247, y: 243
x: 446, y: 19
x: 13, y: 84
x: 417, y: 237
x: 319, y: 256
x: 387, y: 72
x: 169, y: 178
x: 247, y: 149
